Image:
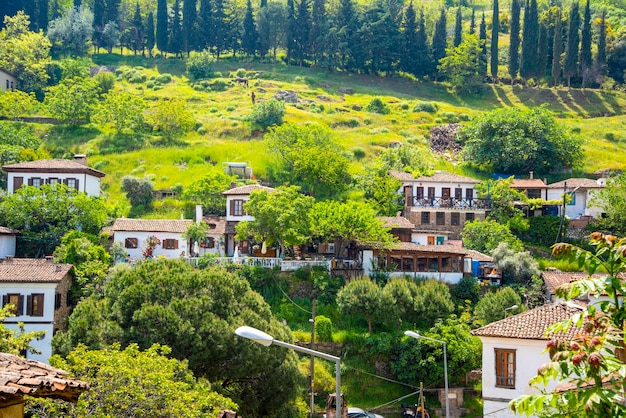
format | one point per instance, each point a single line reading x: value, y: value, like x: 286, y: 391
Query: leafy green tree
x: 467, y: 289
x: 310, y: 157
x: 18, y: 143
x: 462, y: 64
x: 195, y: 312
x: 433, y: 301
x: 272, y: 27
x: 514, y: 40
x: 280, y: 217
x: 75, y: 68
x: 207, y: 191
x: 502, y: 198
x: 404, y: 293
x: 72, y: 100
x: 24, y: 53
x: 72, y: 32
x: 515, y: 140
x: 365, y: 299
x: 16, y: 103
x: 570, y: 66
x: 593, y: 361
x: 170, y: 117
x: 343, y: 223
x: 485, y: 236
x: 268, y: 113
x: 516, y: 266
x: 495, y: 32
x: 138, y: 191
x: 490, y: 307
x: 140, y: 383
x: 16, y: 341
x: 123, y: 109
x: 111, y: 36
x: 381, y: 188
x: 612, y: 200
x: 45, y: 214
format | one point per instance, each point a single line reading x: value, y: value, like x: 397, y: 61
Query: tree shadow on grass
x: 584, y: 103
x: 63, y: 137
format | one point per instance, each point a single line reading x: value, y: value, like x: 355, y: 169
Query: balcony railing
x: 449, y: 202
x: 266, y: 262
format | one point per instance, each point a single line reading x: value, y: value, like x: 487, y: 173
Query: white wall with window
x: 172, y: 244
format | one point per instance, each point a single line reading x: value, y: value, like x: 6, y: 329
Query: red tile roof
x: 32, y: 270
x: 219, y: 223
x: 52, y: 166
x: 396, y: 222
x: 8, y: 231
x: 20, y: 376
x: 151, y: 225
x: 532, y: 324
x: 246, y: 190
x: 572, y: 183
x: 554, y: 279
x: 528, y: 184
x: 438, y: 177
x: 440, y: 249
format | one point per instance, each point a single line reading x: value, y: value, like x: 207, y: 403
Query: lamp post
x: 415, y: 335
x: 267, y: 340
x: 510, y: 308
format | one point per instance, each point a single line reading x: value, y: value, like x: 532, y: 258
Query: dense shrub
x: 428, y: 107
x: 164, y: 78
x: 200, y: 65
x: 358, y: 152
x: 105, y: 80
x: 323, y: 328
x: 377, y: 106
x: 268, y: 113
x: 241, y: 72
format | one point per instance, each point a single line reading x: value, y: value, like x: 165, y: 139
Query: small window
x: 131, y: 243
x: 16, y: 300
x: 441, y: 218
x: 469, y: 217
x: 237, y: 208
x: 68, y: 298
x: 425, y: 218
x: 211, y: 242
x: 419, y: 193
x: 407, y: 264
x: 431, y: 192
x: 72, y: 184
x: 458, y: 193
x: 455, y: 218
x: 505, y: 368
x: 469, y: 194
x: 34, y: 304
x: 35, y: 182
x: 57, y: 301
x: 170, y: 244
x: 53, y: 180
x: 571, y: 199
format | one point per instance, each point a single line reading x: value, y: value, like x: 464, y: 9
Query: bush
x: 105, y: 80
x: 241, y: 72
x: 350, y: 123
x: 450, y: 117
x: 377, y: 106
x: 201, y: 130
x: 358, y: 152
x: 268, y: 113
x: 323, y: 328
x: 164, y: 78
x: 428, y: 107
x: 219, y: 84
x: 609, y: 136
x: 200, y: 65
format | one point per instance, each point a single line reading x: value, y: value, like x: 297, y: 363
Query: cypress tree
x: 482, y: 35
x: 542, y: 52
x: 189, y: 24
x: 137, y: 31
x: 150, y: 33
x: 495, y: 30
x: 472, y: 29
x: 585, y: 45
x: 291, y: 30
x: 319, y: 30
x: 250, y: 38
x: 601, y: 56
x: 55, y: 10
x: 440, y: 41
x: 515, y: 40
x: 409, y: 60
x: 529, y: 41
x: 175, y: 43
x: 458, y: 27
x: 111, y: 11
x: 350, y: 49
x: 557, y: 46
x: 571, y: 49
x: 422, y: 51
x: 204, y: 25
x: 98, y: 23
x: 77, y: 3
x: 161, y: 26
x: 303, y: 29
x: 43, y: 10
x: 220, y: 28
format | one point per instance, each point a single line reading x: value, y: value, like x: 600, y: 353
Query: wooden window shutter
x: 175, y: 244
x: 40, y: 305
x: 20, y: 305
x: 30, y: 181
x: 232, y: 207
x: 77, y: 188
x: 17, y: 183
x: 29, y: 305
x: 5, y: 300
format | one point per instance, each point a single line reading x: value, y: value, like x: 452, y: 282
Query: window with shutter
x: 57, y: 301
x: 131, y: 243
x: 34, y: 304
x: 170, y: 244
x: 441, y: 218
x: 17, y: 183
x: 237, y: 208
x: 17, y: 302
x: 425, y: 218
x: 505, y: 368
x: 36, y: 182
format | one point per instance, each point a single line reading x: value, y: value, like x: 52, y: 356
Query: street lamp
x: 267, y: 340
x: 510, y: 308
x: 415, y: 335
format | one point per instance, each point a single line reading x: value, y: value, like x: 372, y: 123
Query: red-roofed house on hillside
x: 7, y: 241
x: 133, y: 234
x: 441, y: 202
x: 40, y: 291
x: 74, y: 173
x: 513, y: 351
x: 554, y: 279
x: 580, y: 192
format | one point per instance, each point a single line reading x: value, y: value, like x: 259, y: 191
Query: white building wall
x: 7, y: 245
x: 422, y: 237
x: 86, y: 183
x: 529, y: 356
x: 581, y: 205
x: 137, y: 253
x: 4, y: 78
x: 439, y: 186
x: 35, y: 323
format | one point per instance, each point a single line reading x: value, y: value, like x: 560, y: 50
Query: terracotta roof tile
x: 555, y: 279
x: 246, y: 190
x: 8, y: 231
x: 532, y: 324
x: 32, y: 270
x: 217, y: 224
x: 528, y: 184
x: 401, y: 175
x: 20, y: 376
x: 419, y: 248
x: 572, y: 183
x: 396, y: 222
x: 478, y: 256
x: 151, y: 225
x: 439, y: 177
x: 53, y: 166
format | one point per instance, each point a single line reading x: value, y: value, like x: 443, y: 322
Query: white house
x: 40, y: 291
x: 513, y: 351
x: 8, y: 81
x: 133, y: 233
x: 442, y: 202
x: 74, y: 173
x: 580, y: 192
x: 554, y: 279
x: 215, y: 241
x: 405, y: 231
x: 7, y: 241
x: 236, y: 197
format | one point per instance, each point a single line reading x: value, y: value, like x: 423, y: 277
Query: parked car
x: 354, y: 412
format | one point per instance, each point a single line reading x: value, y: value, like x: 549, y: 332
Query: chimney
x: 198, y: 213
x: 233, y: 184
x: 8, y: 258
x: 49, y: 259
x: 532, y: 174
x: 80, y: 158
x: 58, y: 268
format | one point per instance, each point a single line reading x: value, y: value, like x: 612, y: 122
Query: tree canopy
x: 485, y: 236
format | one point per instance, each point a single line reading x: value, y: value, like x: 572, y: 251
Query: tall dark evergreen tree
x: 137, y: 32
x: 570, y: 66
x: 150, y: 40
x: 350, y: 47
x: 440, y: 41
x: 422, y: 53
x: 175, y: 39
x: 292, y: 29
x: 98, y: 22
x: 542, y: 52
x: 250, y: 37
x: 162, y: 32
x: 530, y: 38
x: 601, y: 55
x: 495, y: 32
x: 205, y: 20
x: 319, y: 30
x: 190, y: 26
x: 220, y: 28
x: 381, y: 34
x: 112, y: 12
x: 303, y: 30
x: 585, y: 46
x: 515, y: 40
x: 472, y: 28
x: 43, y: 10
x: 409, y: 60
x: 557, y: 48
x: 30, y: 8
x: 55, y: 10
x: 77, y: 3
x: 482, y: 35
x: 458, y: 27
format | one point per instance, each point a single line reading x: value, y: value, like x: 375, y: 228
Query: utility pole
x: 312, y: 372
